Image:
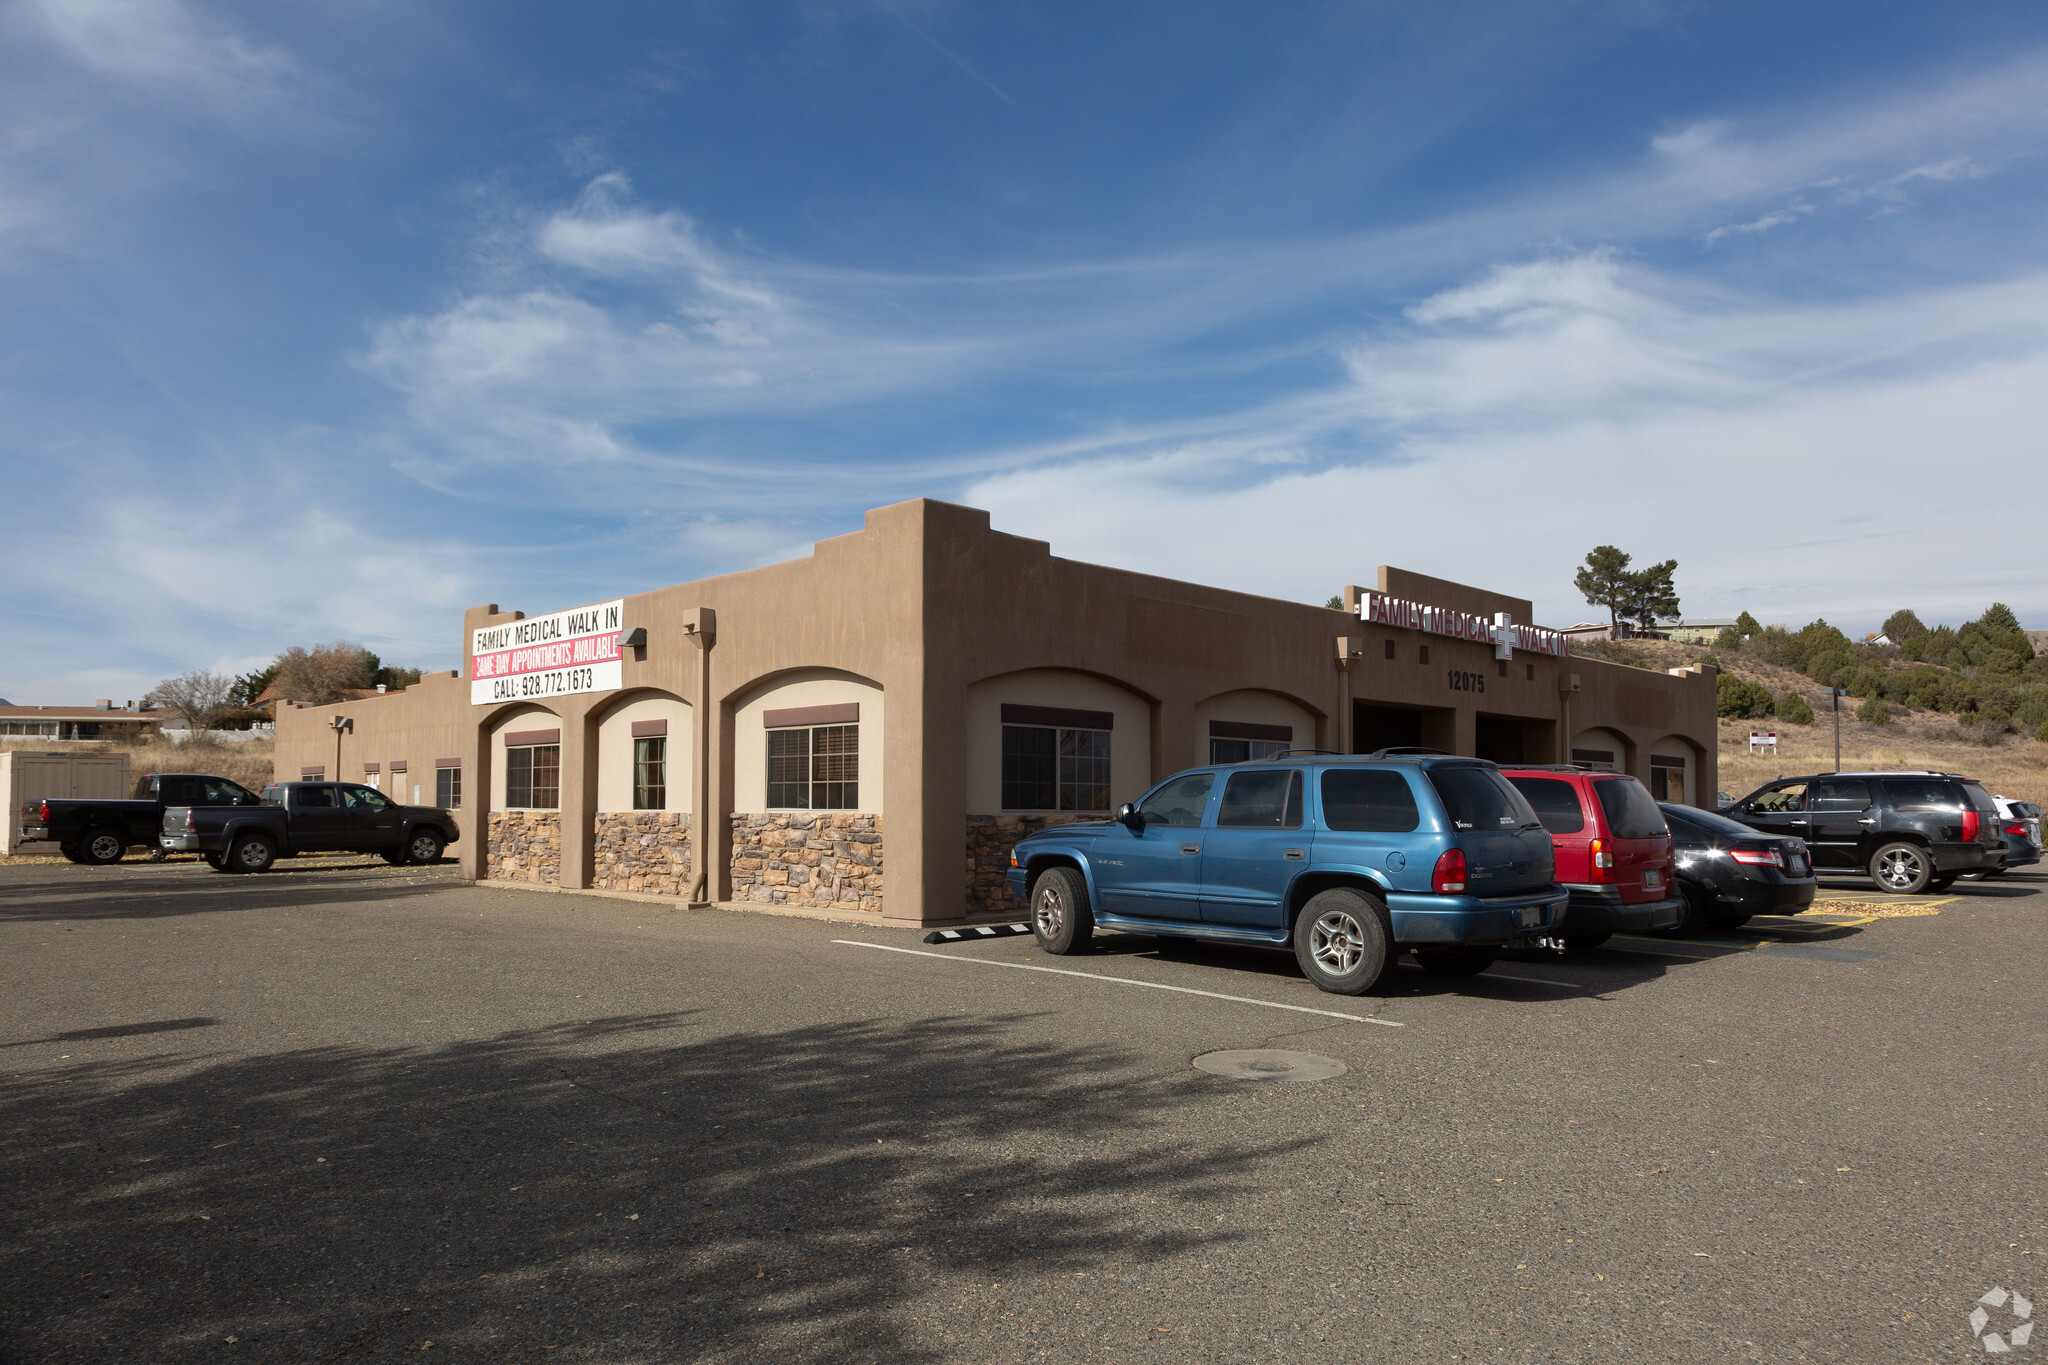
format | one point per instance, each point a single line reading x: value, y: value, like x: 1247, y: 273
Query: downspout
x: 701, y: 625
x: 1347, y: 650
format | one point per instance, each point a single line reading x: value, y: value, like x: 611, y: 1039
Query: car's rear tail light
x: 2018, y: 829
x: 44, y: 813
x: 1449, y: 877
x: 1970, y: 826
x: 1757, y: 857
x: 190, y: 823
x: 1603, y: 861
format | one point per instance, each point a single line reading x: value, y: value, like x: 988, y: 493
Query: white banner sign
x: 1504, y: 635
x: 547, y: 656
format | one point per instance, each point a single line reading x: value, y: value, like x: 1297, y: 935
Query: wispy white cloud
x: 162, y: 43
x: 1791, y: 213
x: 1784, y: 455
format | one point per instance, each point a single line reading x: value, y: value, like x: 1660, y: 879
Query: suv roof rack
x: 1298, y: 753
x: 1407, y: 751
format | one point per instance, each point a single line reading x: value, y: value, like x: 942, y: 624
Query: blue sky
x: 323, y: 321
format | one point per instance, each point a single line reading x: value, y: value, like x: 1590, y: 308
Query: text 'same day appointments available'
x: 547, y: 656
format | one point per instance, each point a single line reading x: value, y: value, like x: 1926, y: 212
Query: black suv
x: 1907, y: 831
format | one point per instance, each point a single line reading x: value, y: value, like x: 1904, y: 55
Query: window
x: 1179, y: 804
x: 1390, y: 649
x: 1602, y: 759
x: 1223, y: 751
x: 1055, y: 767
x: 1790, y: 797
x: 1838, y: 794
x: 1270, y: 799
x: 1425, y: 655
x: 650, y: 773
x: 1368, y: 801
x: 814, y: 768
x: 1921, y: 794
x: 1480, y: 799
x: 310, y: 797
x: 448, y: 787
x: 1532, y: 671
x: 1630, y: 811
x: 1236, y: 741
x: 1667, y: 778
x: 1555, y: 801
x: 533, y: 777
x: 363, y: 798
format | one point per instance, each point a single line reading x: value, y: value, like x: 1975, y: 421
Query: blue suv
x: 1348, y: 859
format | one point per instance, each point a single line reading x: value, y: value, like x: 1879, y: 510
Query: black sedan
x: 1728, y: 872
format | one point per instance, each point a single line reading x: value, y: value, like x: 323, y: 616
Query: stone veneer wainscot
x: 989, y: 841
x: 822, y: 860
x: 641, y: 850
x: 524, y: 846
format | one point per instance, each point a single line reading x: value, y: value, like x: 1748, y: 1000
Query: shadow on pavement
x: 81, y: 1035
x: 606, y: 1188
x: 110, y: 895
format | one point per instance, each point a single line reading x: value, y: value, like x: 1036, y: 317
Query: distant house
x: 100, y: 721
x: 267, y: 702
x: 1693, y: 630
x: 1877, y: 637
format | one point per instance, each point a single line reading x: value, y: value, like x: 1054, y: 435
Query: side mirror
x: 1127, y: 815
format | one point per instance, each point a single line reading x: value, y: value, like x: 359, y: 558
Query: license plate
x: 1528, y: 916
x: 1796, y: 866
x: 1653, y: 879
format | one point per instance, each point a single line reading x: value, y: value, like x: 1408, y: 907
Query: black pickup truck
x: 308, y: 817
x: 101, y: 832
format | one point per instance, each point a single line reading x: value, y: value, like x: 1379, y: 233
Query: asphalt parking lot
x: 347, y: 1112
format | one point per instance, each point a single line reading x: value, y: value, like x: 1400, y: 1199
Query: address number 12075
x: 1461, y: 681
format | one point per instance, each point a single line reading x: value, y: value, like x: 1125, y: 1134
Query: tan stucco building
x: 868, y: 730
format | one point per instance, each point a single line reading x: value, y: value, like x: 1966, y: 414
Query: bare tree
x: 318, y: 675
x: 199, y: 699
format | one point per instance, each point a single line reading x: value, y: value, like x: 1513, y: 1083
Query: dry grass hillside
x: 247, y: 763
x: 2014, y: 765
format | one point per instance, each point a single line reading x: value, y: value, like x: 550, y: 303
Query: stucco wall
x: 615, y: 749
x: 1255, y: 708
x: 807, y: 687
x: 1130, y: 736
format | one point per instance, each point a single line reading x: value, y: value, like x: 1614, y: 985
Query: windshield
x: 1179, y: 803
x: 1631, y: 811
x: 1480, y: 799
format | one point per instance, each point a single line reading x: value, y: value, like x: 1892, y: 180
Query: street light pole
x: 1835, y: 695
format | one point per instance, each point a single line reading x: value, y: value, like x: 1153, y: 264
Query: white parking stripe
x: 1122, y: 981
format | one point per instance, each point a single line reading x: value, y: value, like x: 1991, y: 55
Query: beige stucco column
x: 579, y: 793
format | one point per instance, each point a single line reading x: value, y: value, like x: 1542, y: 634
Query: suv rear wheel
x: 1902, y: 869
x: 1343, y: 941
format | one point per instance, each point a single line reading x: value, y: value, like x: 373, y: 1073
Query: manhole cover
x: 1269, y: 1064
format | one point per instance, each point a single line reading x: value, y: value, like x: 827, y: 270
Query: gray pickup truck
x: 309, y: 817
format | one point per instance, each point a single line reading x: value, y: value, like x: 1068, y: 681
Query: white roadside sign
x: 547, y: 656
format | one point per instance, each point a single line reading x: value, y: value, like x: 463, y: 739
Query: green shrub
x: 1874, y: 712
x: 1794, y: 709
x: 2042, y: 733
x: 1737, y: 699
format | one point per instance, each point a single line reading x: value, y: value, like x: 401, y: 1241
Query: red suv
x: 1614, y: 851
